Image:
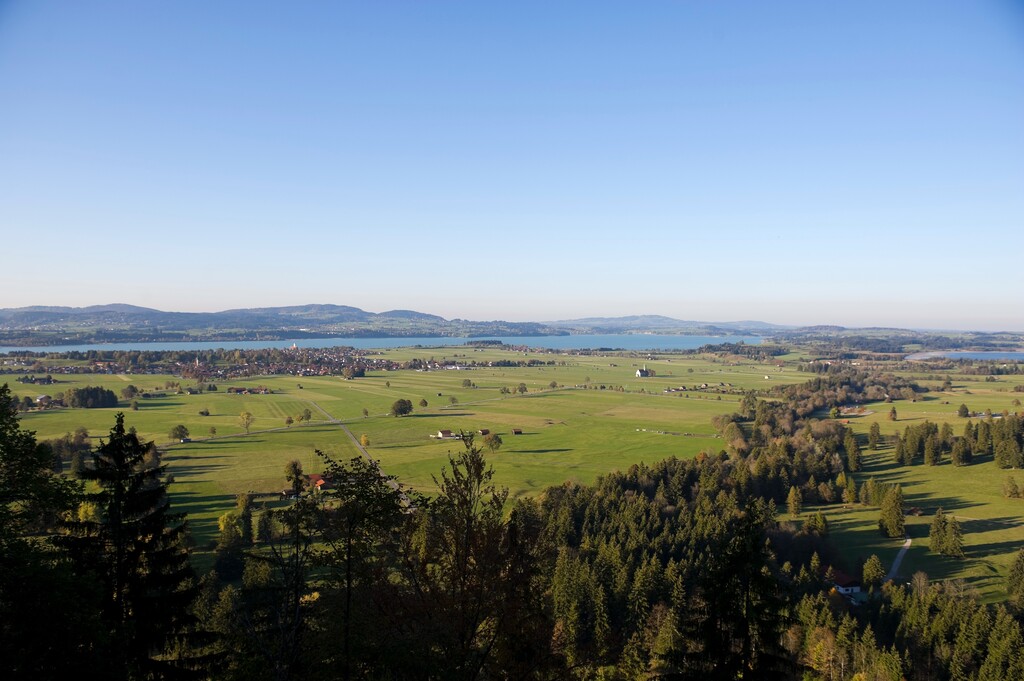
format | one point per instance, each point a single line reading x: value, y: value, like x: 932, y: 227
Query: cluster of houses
x: 446, y: 434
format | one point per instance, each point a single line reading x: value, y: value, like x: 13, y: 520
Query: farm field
x: 597, y: 418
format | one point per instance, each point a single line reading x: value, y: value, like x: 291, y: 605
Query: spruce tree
x: 136, y: 548
x: 954, y: 538
x: 931, y: 451
x: 852, y: 453
x: 891, y: 520
x: 874, y: 436
x: 938, y: 532
x: 1015, y: 580
x: 872, y: 573
x: 899, y: 454
x: 794, y: 501
x: 961, y: 452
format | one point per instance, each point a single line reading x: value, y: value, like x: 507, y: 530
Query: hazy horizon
x: 797, y: 163
x: 559, y: 319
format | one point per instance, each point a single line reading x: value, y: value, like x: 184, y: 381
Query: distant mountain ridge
x: 660, y: 322
x: 118, y: 322
x: 52, y: 325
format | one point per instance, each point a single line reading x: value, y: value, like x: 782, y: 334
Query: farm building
x: 845, y: 584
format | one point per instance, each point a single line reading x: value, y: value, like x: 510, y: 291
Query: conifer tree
x: 961, y: 452
x: 1015, y: 580
x: 899, y: 454
x: 938, y: 532
x: 931, y: 451
x: 954, y: 538
x: 852, y: 453
x: 47, y: 616
x: 1010, y: 488
x: 873, y: 573
x: 874, y: 436
x: 136, y: 547
x: 891, y: 522
x: 794, y: 501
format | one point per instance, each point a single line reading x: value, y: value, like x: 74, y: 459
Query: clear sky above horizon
x: 794, y: 162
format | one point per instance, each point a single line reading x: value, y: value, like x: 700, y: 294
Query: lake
x: 581, y: 342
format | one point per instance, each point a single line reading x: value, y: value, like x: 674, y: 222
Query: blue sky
x: 794, y: 162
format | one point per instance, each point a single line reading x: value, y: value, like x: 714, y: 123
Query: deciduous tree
x: 401, y: 407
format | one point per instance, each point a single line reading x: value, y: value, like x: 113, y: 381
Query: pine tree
x: 136, y: 547
x: 938, y: 533
x: 891, y: 520
x: 1015, y: 580
x: 872, y: 573
x: 899, y: 453
x: 794, y: 501
x: 874, y: 436
x: 852, y: 453
x: 931, y: 451
x: 954, y: 538
x: 961, y: 452
x: 1010, y: 488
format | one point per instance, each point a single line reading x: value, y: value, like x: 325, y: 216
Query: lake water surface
x: 581, y: 342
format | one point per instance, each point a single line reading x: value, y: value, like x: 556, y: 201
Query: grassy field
x: 599, y: 418
x: 993, y: 525
x: 574, y: 431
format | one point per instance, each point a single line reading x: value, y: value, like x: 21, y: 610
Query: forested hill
x: 125, y: 323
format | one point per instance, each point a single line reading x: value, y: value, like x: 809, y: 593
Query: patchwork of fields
x: 597, y: 418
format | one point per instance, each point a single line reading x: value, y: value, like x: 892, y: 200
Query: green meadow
x: 992, y: 524
x: 598, y: 417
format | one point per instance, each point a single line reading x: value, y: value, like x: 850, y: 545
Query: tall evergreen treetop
x: 136, y: 547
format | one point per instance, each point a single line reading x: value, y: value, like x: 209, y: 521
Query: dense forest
x: 678, y: 570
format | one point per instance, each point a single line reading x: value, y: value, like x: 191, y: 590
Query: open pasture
x: 993, y: 525
x: 575, y: 431
x: 599, y: 417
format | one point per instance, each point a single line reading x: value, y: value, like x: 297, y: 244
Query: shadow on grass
x: 197, y: 470
x: 990, y: 524
x: 539, y: 451
x: 992, y: 549
x: 929, y: 503
x: 194, y: 502
x: 446, y: 414
x: 190, y: 457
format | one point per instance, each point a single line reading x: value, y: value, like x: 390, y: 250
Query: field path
x: 899, y: 559
x: 327, y: 416
x: 393, y: 484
